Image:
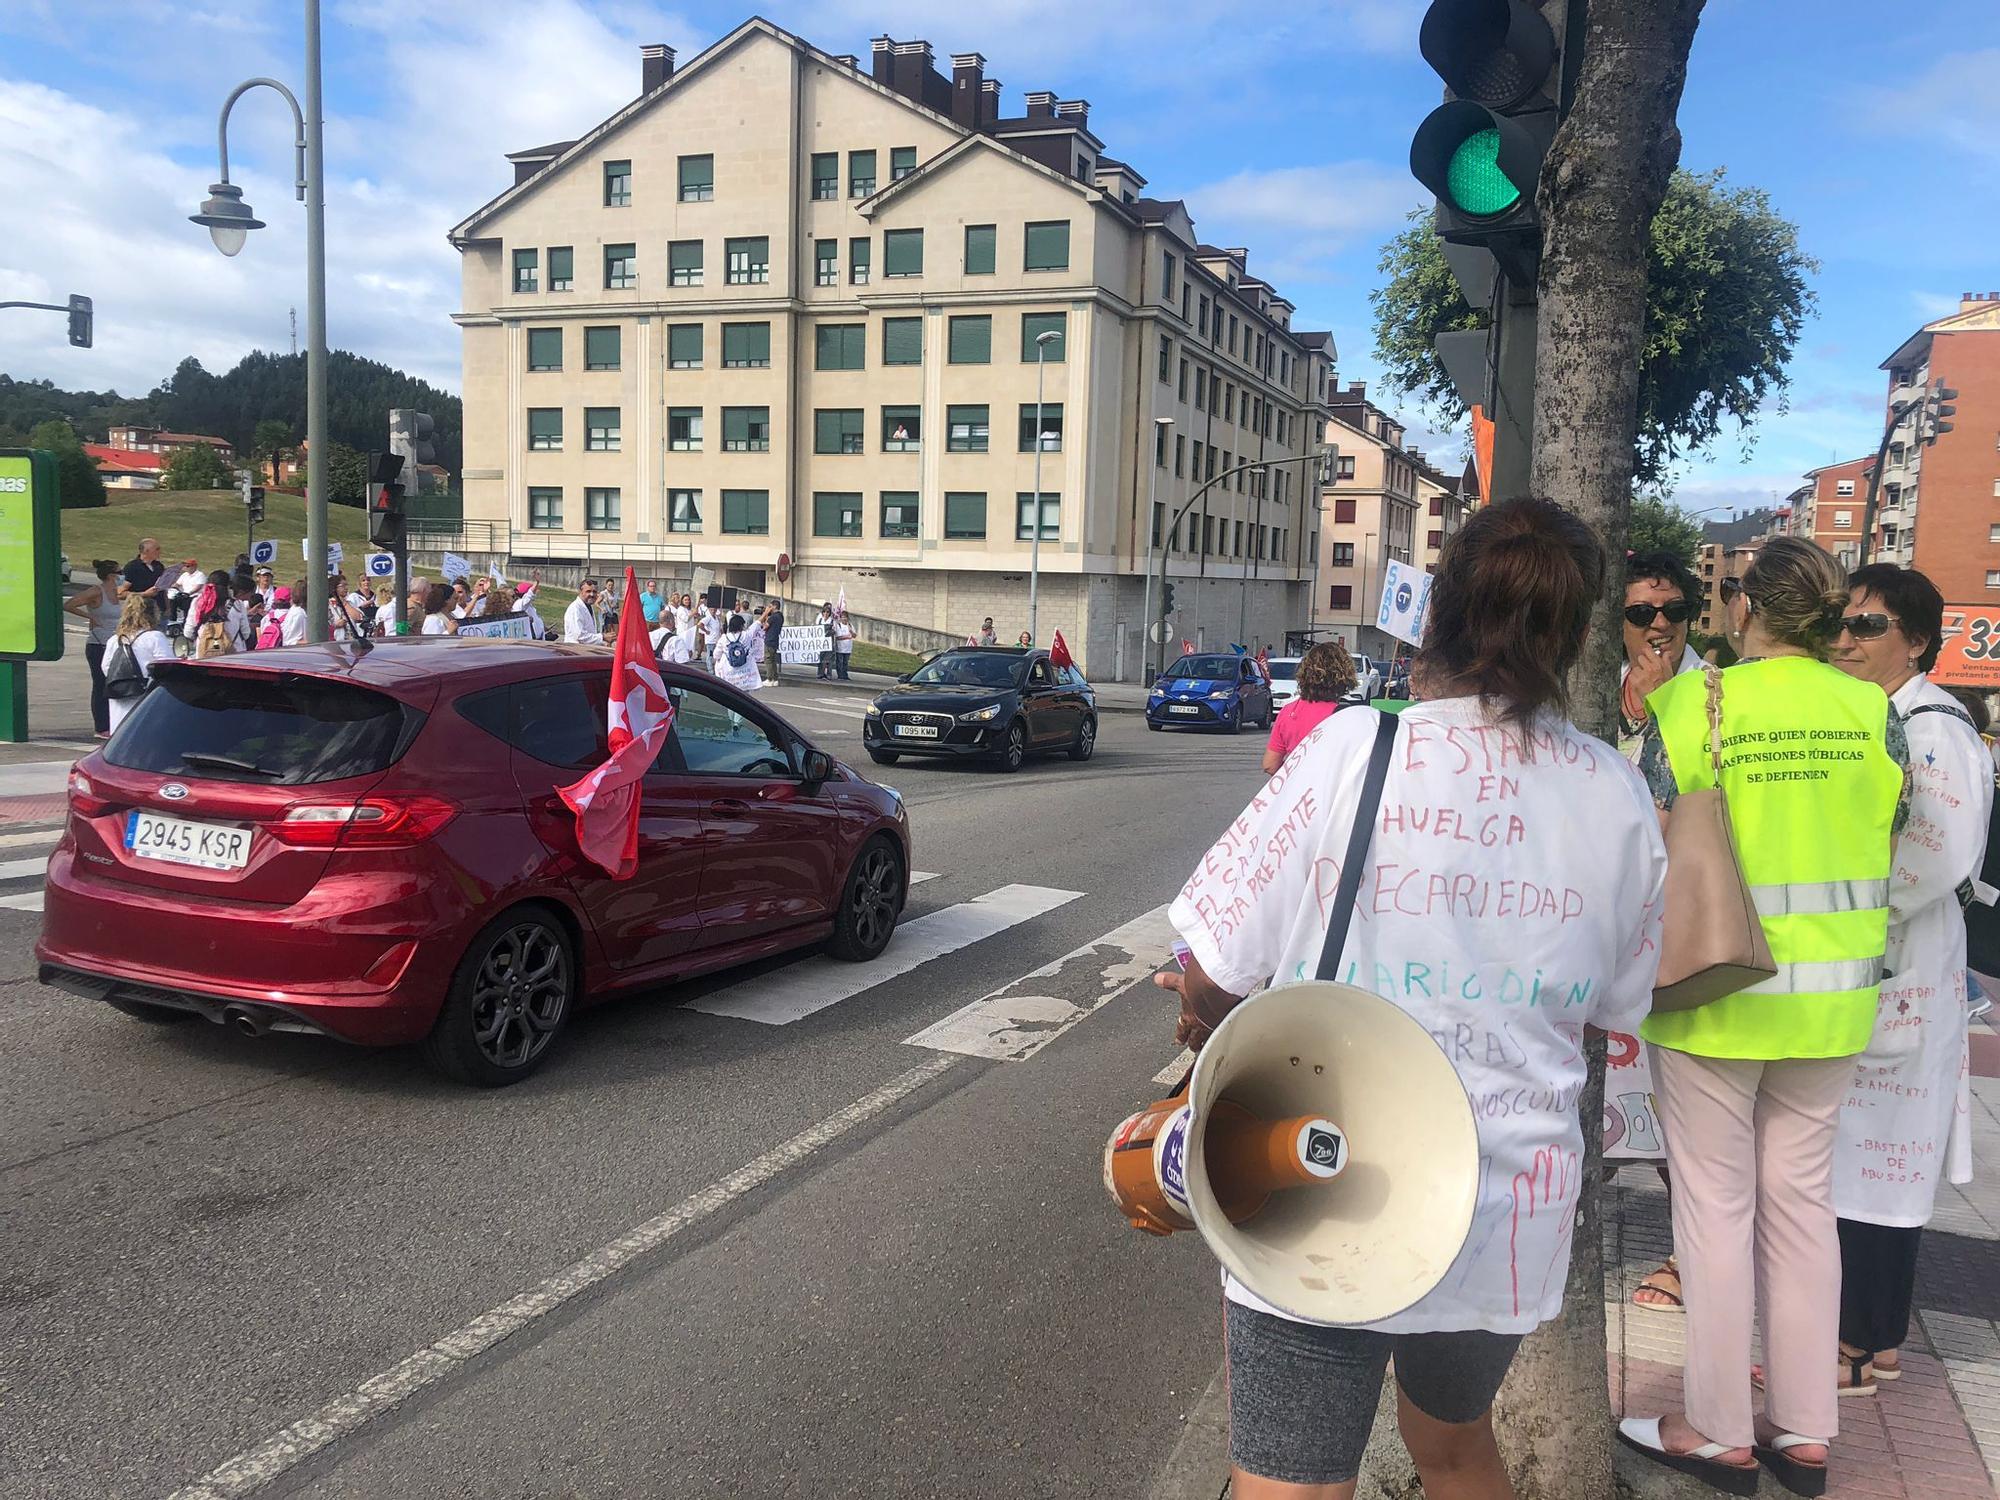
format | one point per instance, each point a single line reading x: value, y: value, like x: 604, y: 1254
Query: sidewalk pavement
x: 58, y: 706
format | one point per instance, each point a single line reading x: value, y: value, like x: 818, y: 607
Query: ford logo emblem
x: 173, y: 791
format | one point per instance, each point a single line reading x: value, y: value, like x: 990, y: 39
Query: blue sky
x: 1876, y: 128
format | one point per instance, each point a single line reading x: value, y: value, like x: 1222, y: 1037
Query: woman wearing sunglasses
x: 1815, y: 769
x: 1659, y: 603
x: 1897, y: 1135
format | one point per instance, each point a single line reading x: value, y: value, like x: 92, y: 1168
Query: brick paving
x: 1932, y: 1435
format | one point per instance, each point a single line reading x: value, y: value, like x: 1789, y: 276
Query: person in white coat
x: 674, y: 637
x: 738, y: 650
x: 580, y: 623
x: 1905, y: 1124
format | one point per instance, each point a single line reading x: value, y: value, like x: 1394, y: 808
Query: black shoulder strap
x: 1943, y: 708
x: 1357, y: 846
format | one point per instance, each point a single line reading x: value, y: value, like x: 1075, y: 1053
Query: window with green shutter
x: 902, y: 429
x: 601, y: 426
x: 748, y: 260
x: 826, y: 175
x: 899, y: 513
x: 1034, y: 325
x: 621, y: 267
x: 902, y: 252
x: 684, y: 263
x: 746, y: 512
x: 964, y: 513
x: 1052, y: 426
x: 826, y: 262
x: 697, y: 179
x: 840, y: 346
x: 837, y: 430
x: 860, y: 173
x: 970, y: 340
x: 683, y: 510
x: 545, y: 348
x: 617, y: 184
x: 902, y: 341
x: 525, y: 263
x: 601, y: 348
x: 836, y: 513
x: 860, y: 258
x: 545, y: 428
x: 746, y: 429
x: 562, y: 267
x: 965, y: 429
x: 902, y: 162
x: 600, y: 510
x: 746, y: 346
x: 1047, y: 247
x: 684, y: 429
x: 684, y: 346
x: 981, y: 249
x: 544, y: 509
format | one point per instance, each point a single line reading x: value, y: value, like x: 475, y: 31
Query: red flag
x: 638, y: 716
x: 1187, y: 647
x: 1264, y: 661
x: 1059, y: 652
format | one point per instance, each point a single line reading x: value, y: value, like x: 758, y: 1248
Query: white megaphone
x: 1325, y: 1149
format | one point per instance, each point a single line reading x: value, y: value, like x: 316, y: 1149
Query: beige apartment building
x: 783, y: 304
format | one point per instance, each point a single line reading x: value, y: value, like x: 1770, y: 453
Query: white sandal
x: 1796, y: 1475
x: 1642, y: 1435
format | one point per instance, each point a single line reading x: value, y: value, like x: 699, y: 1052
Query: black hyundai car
x: 997, y: 701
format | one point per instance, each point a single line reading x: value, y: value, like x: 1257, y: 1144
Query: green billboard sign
x: 30, y: 557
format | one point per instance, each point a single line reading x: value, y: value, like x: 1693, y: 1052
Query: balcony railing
x: 454, y: 535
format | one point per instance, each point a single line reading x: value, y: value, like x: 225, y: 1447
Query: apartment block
x: 783, y: 303
x: 1940, y: 502
x: 1829, y: 507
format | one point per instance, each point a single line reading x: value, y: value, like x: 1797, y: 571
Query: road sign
x: 784, y: 567
x: 30, y: 557
x: 1406, y: 594
x: 1970, y: 655
x: 381, y: 565
x: 264, y: 553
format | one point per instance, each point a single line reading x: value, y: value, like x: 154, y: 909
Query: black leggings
x: 100, y: 705
x: 1878, y: 1279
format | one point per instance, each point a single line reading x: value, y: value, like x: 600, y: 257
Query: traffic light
x: 1937, y: 413
x: 1481, y: 151
x: 80, y: 321
x: 410, y: 434
x: 385, y: 500
x: 1167, y: 600
x: 256, y: 504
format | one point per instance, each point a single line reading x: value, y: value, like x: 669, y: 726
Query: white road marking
x: 258, y: 1466
x: 1176, y: 1070
x: 31, y: 901
x: 845, y: 713
x: 918, y: 877
x: 34, y: 778
x: 20, y: 869
x: 1014, y: 1023
x: 816, y: 983
x: 46, y: 836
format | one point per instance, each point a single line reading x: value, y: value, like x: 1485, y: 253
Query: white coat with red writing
x: 1905, y: 1125
x: 1511, y: 897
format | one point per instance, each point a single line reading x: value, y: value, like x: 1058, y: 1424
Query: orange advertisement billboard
x: 1970, y: 654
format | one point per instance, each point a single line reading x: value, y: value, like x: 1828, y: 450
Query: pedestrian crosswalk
x: 24, y: 860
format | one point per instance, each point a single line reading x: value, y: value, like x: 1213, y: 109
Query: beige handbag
x: 1713, y: 944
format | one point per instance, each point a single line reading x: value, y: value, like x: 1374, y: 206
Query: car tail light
x: 83, y: 798
x: 371, y: 823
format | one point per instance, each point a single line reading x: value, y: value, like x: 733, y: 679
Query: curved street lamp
x: 228, y: 220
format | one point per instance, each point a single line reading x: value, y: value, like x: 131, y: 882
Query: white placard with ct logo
x: 1406, y: 594
x: 381, y: 565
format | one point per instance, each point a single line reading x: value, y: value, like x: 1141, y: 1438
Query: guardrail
x: 439, y: 534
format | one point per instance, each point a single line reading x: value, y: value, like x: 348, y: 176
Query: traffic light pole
x: 399, y: 604
x: 318, y: 622
x: 1513, y: 387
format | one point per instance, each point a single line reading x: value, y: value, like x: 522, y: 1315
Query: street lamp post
x: 1035, y: 547
x: 1160, y: 426
x: 228, y: 218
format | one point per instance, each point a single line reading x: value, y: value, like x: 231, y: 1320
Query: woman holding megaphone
x: 1507, y: 895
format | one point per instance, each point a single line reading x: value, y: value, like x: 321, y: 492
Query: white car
x: 1284, y: 681
x: 1367, y: 677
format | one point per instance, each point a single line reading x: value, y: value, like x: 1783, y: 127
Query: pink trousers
x: 1751, y: 1148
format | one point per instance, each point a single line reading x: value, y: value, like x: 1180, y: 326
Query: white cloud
x: 1327, y: 205
x: 1953, y: 101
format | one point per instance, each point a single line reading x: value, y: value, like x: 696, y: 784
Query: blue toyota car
x: 1215, y: 691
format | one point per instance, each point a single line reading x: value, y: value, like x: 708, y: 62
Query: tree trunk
x: 1601, y: 185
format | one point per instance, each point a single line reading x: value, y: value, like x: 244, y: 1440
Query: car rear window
x: 267, y: 729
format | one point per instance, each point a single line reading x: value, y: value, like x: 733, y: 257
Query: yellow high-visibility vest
x: 1812, y: 795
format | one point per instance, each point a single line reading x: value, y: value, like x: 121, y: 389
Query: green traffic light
x: 1478, y: 186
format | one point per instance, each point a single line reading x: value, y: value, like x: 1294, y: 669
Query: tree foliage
x: 78, y: 484
x: 270, y: 446
x: 1658, y: 525
x: 196, y: 467
x: 346, y: 475
x: 1727, y: 298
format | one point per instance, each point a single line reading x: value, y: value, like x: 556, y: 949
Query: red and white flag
x: 840, y: 604
x: 1264, y: 661
x: 637, y: 718
x: 972, y: 640
x: 1187, y: 648
x: 1059, y: 652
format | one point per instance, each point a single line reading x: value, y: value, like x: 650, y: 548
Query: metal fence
x: 442, y: 534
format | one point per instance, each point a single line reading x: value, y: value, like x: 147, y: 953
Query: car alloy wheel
x: 1234, y: 723
x: 520, y: 995
x: 1086, y: 740
x: 1015, y: 750
x: 870, y: 903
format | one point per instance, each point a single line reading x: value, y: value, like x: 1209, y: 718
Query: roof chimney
x: 1041, y: 105
x: 968, y: 75
x: 656, y: 66
x: 912, y: 63
x: 1074, y: 109
x: 848, y: 60
x: 882, y: 59
x: 989, y: 101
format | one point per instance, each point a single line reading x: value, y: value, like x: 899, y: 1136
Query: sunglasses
x: 1866, y: 627
x: 1729, y: 588
x: 1679, y: 612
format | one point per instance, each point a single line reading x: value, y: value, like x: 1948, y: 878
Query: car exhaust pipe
x: 246, y: 1021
